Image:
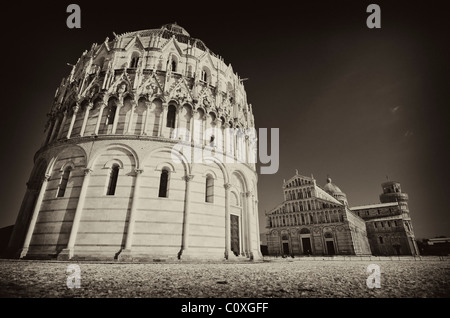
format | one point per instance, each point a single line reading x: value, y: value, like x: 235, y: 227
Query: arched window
x: 111, y: 115
x: 163, y: 182
x: 173, y: 66
x: 204, y: 76
x: 305, y: 231
x: 134, y: 60
x: 63, y: 183
x: 209, y: 193
x: 171, y: 113
x: 113, y: 176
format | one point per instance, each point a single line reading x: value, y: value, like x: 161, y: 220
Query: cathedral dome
x: 175, y: 28
x: 331, y: 188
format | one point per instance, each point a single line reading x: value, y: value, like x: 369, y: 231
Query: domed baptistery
x: 116, y: 177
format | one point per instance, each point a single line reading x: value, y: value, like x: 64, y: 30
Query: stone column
x: 116, y: 117
x: 246, y: 150
x: 46, y: 138
x: 185, y: 239
x: 74, y: 116
x: 258, y: 239
x: 242, y: 228
x: 225, y: 139
x: 126, y: 253
x: 67, y: 253
x: 147, y: 114
x: 177, y: 123
x: 192, y: 126
x: 235, y: 150
x: 86, y: 116
x: 99, y: 119
x: 165, y: 107
x: 228, y: 251
x: 130, y: 122
x: 63, y: 123
x: 37, y: 207
x: 203, y: 140
x: 248, y: 196
x: 53, y: 130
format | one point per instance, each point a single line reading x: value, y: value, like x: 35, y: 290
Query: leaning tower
x: 117, y: 175
x: 392, y: 192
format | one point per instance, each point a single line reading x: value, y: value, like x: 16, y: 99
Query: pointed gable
x: 172, y: 46
x: 135, y: 44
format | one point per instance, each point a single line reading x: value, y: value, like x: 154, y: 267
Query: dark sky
x: 358, y: 104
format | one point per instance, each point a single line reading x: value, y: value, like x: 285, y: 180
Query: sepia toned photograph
x: 225, y: 158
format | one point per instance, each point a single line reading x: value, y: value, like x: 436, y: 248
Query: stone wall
x: 159, y: 223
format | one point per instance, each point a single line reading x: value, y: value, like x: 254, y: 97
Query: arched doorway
x: 305, y: 240
x: 285, y: 248
x: 329, y: 242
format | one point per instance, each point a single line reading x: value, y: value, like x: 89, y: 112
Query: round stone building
x: 117, y: 176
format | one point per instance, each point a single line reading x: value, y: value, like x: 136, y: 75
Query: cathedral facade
x: 314, y: 220
x: 110, y: 180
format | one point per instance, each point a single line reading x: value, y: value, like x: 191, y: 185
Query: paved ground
x: 277, y: 278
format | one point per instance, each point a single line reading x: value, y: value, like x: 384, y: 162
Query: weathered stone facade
x: 389, y: 226
x: 318, y: 221
x: 108, y: 182
x: 311, y: 221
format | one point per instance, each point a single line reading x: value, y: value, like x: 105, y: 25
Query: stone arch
x: 304, y: 231
x: 108, y: 116
x: 173, y: 102
x: 127, y: 149
x: 37, y: 174
x: 222, y: 167
x: 184, y: 122
x: 124, y: 115
x: 165, y: 165
x: 139, y: 115
x: 172, y: 152
x: 134, y: 59
x: 235, y: 199
x: 91, y: 123
x: 154, y: 118
x: 174, y: 63
x: 206, y: 74
x: 198, y: 125
x: 69, y: 163
x: 110, y: 190
x: 211, y: 173
x: 241, y: 178
x: 58, y: 162
x: 210, y: 133
x: 112, y: 162
x: 76, y: 131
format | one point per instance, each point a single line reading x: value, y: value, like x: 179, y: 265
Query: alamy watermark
x: 74, y: 278
x: 374, y: 279
x: 227, y: 146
